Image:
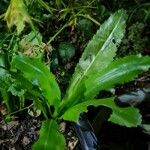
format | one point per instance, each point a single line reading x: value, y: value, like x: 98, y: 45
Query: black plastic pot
x: 85, y: 134
x: 133, y: 98
x: 87, y: 138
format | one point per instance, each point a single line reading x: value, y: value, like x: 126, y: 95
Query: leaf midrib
x: 49, y: 127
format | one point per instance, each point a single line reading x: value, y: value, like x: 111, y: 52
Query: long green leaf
x: 36, y: 72
x: 3, y: 64
x: 118, y: 72
x: 129, y: 117
x: 98, y: 54
x: 50, y: 137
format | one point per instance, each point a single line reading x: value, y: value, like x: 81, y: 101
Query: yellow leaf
x: 17, y: 15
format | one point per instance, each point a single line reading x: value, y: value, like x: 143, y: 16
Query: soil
x: 23, y: 131
x: 19, y: 134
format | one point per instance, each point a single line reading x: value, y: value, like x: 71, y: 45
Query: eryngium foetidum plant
x: 97, y: 70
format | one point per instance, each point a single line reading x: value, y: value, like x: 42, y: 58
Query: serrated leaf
x: 36, y: 72
x: 129, y: 117
x: 17, y: 15
x: 118, y: 72
x: 50, y: 137
x: 98, y: 54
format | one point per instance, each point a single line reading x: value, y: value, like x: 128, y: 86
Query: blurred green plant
x: 66, y: 51
x: 20, y: 12
x: 136, y: 39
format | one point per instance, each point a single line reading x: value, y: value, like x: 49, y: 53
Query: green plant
x: 96, y: 71
x: 66, y: 51
x: 14, y: 87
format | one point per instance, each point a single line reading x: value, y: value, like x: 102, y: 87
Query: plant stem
x: 48, y: 8
x: 19, y: 110
x: 57, y: 33
x: 135, y: 9
x: 11, y: 41
x: 90, y: 18
x: 2, y: 16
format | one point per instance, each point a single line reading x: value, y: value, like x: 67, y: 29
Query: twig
x: 19, y: 110
x: 57, y: 33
